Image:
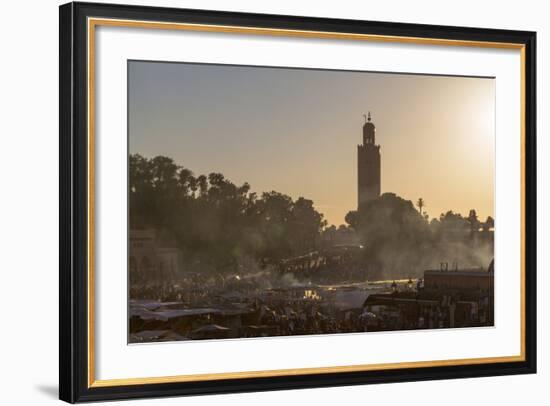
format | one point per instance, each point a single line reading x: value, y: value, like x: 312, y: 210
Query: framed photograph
x: 257, y: 202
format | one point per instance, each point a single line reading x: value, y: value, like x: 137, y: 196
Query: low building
x: 446, y: 299
x: 152, y: 259
x: 470, y: 279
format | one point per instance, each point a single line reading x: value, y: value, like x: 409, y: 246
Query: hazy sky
x: 296, y: 131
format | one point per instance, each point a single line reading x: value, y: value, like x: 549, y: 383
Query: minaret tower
x: 368, y: 165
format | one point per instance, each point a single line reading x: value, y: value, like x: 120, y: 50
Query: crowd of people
x: 281, y: 307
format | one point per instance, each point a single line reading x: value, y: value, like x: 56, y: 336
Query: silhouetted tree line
x: 400, y: 240
x: 222, y: 226
x: 217, y: 224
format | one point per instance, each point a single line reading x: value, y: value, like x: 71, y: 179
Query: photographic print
x: 269, y: 198
x: 268, y: 201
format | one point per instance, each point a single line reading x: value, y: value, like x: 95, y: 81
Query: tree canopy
x: 220, y: 226
x: 399, y: 240
x: 215, y: 222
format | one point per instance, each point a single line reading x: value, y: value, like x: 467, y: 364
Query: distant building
x: 368, y: 165
x: 468, y: 279
x: 459, y: 298
x: 151, y: 259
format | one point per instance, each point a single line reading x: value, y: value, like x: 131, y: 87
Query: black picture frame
x: 73, y: 255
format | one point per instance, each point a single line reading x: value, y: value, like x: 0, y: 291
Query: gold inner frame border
x: 92, y: 23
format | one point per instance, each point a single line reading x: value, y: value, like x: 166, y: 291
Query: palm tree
x: 420, y: 203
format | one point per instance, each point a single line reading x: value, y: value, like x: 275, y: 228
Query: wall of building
x: 368, y: 173
x: 458, y: 280
x: 152, y: 259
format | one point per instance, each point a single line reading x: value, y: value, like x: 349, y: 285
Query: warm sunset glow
x: 296, y: 131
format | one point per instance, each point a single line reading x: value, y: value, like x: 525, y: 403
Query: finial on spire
x: 369, y: 115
